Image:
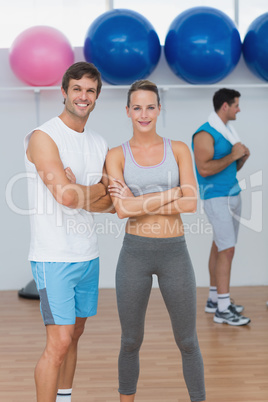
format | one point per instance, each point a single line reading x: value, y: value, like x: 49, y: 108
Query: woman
x: 152, y: 183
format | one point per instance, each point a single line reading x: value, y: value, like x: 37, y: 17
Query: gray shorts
x: 224, y: 215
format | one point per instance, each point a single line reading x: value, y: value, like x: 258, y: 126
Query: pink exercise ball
x: 40, y: 55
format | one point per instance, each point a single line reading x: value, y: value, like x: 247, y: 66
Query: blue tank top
x: 151, y: 179
x: 224, y: 183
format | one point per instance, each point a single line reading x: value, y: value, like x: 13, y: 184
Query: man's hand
x: 240, y: 162
x: 70, y: 175
x: 238, y: 151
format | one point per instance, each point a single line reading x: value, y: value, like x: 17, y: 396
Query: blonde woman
x: 151, y: 183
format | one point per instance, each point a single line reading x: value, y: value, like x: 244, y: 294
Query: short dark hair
x: 77, y: 70
x: 224, y: 95
x: 143, y: 85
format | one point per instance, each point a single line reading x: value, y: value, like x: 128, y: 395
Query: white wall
x: 184, y: 110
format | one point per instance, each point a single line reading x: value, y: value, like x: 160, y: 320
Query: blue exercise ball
x: 255, y: 47
x: 123, y: 45
x: 202, y: 45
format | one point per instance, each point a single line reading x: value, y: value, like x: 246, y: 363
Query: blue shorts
x: 224, y: 214
x: 67, y: 290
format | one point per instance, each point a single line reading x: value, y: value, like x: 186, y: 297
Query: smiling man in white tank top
x: 67, y: 184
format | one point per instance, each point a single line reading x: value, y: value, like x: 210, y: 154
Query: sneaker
x: 238, y: 307
x: 211, y: 306
x: 230, y: 316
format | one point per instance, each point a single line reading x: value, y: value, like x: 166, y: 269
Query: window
x: 162, y: 12
x: 73, y: 17
x: 248, y: 11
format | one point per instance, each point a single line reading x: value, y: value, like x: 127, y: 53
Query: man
x: 65, y: 162
x: 219, y: 154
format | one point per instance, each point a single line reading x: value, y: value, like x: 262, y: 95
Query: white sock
x: 64, y: 395
x: 223, y: 301
x: 213, y: 295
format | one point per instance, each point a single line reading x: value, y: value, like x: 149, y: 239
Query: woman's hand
x: 70, y: 175
x: 119, y: 189
x: 177, y: 193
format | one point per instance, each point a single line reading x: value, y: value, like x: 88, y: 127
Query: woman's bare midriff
x: 155, y: 226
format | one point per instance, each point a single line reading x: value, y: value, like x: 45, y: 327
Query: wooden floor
x: 235, y: 358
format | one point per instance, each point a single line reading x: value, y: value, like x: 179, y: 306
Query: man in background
x: 219, y: 154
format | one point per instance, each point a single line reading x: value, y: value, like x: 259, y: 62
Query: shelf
x: 164, y: 87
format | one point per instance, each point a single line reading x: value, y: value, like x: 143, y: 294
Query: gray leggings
x: 139, y: 259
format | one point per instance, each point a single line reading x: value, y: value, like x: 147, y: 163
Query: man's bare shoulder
x: 203, y: 136
x: 41, y: 144
x: 40, y: 136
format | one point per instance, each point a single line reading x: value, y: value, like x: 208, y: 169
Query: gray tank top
x: 151, y: 179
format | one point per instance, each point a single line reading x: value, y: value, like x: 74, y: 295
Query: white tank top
x: 58, y: 233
